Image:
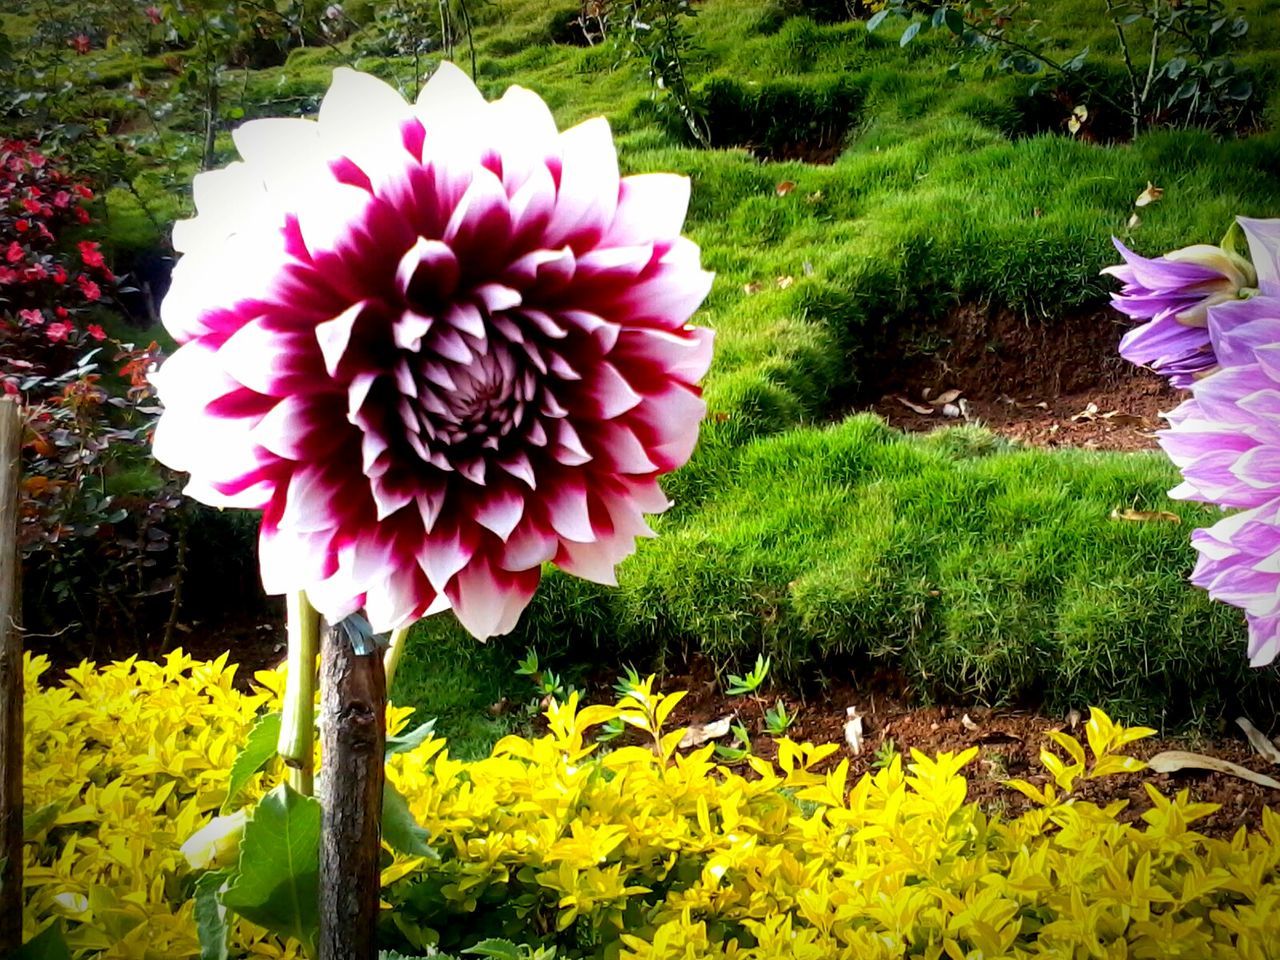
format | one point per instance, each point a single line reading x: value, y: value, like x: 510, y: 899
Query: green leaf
x: 399, y: 829
x: 954, y: 20
x: 259, y: 747
x: 495, y: 950
x: 909, y: 34
x: 40, y: 819
x: 405, y: 742
x: 876, y: 20
x: 1175, y: 67
x: 211, y: 915
x: 48, y: 944
x: 277, y: 881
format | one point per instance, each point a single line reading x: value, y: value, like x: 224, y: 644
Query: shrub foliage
x: 645, y: 851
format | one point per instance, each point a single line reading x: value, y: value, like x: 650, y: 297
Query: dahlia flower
x: 1225, y: 440
x: 438, y: 345
x: 1173, y: 294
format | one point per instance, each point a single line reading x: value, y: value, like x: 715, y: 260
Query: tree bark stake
x: 353, y: 742
x: 10, y: 685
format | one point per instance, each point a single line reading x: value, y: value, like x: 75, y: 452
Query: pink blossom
x: 95, y: 330
x: 57, y: 331
x: 31, y: 317
x: 438, y: 345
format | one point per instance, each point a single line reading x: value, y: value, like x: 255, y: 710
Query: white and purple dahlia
x: 1174, y: 292
x: 1225, y: 440
x: 438, y: 345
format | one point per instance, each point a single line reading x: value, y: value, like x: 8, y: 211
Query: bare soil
x: 1008, y: 741
x: 1052, y: 385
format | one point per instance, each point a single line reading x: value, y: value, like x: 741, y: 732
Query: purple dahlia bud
x: 1173, y: 293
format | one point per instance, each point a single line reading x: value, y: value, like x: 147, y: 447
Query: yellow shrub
x: 643, y: 852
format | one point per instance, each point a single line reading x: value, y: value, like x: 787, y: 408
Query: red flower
x: 90, y: 289
x: 15, y: 252
x: 22, y: 226
x: 59, y: 274
x: 61, y: 199
x: 8, y: 275
x: 61, y: 313
x: 10, y: 388
x: 81, y: 43
x: 153, y: 14
x: 82, y: 215
x: 36, y: 160
x: 96, y: 331
x: 30, y: 206
x: 81, y: 190
x: 32, y: 317
x: 57, y: 332
x: 91, y: 255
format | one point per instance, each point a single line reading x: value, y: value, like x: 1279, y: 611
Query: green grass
x: 454, y: 679
x: 984, y: 572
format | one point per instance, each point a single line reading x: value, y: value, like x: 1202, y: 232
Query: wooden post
x: 10, y: 685
x: 353, y: 701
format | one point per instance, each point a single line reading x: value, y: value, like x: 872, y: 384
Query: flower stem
x: 297, y: 722
x: 394, y: 651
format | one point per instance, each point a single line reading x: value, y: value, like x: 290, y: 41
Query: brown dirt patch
x: 1008, y: 740
x: 1047, y: 384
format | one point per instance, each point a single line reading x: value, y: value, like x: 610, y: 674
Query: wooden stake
x: 353, y: 701
x: 10, y: 685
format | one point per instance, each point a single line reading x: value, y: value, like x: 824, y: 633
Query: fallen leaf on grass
x: 750, y: 288
x: 1079, y: 117
x: 1140, y: 516
x: 1073, y: 718
x: 968, y: 724
x: 947, y: 396
x: 785, y: 187
x: 853, y: 729
x: 1173, y: 760
x: 1259, y: 740
x: 918, y: 408
x: 784, y: 282
x: 1088, y: 413
x: 1149, y: 195
x: 1134, y: 221
x: 700, y: 733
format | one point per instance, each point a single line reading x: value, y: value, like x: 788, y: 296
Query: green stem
x: 297, y: 723
x: 394, y: 651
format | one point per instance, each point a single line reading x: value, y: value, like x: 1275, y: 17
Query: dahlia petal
x: 449, y: 102
x: 310, y: 500
x: 444, y: 552
x: 518, y: 466
x: 674, y: 290
x: 481, y: 224
x: 1160, y: 273
x: 284, y: 155
x: 331, y: 221
x: 526, y: 133
x: 501, y: 511
x: 227, y: 201
x: 428, y: 272
x: 567, y: 511
x: 295, y: 429
x: 361, y: 118
x: 291, y: 559
x: 651, y: 206
x: 489, y: 601
x: 1264, y: 248
x: 608, y: 394
x: 532, y: 206
x: 685, y: 356
x: 589, y: 182
x: 1264, y: 640
x: 529, y: 545
x: 1259, y: 467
